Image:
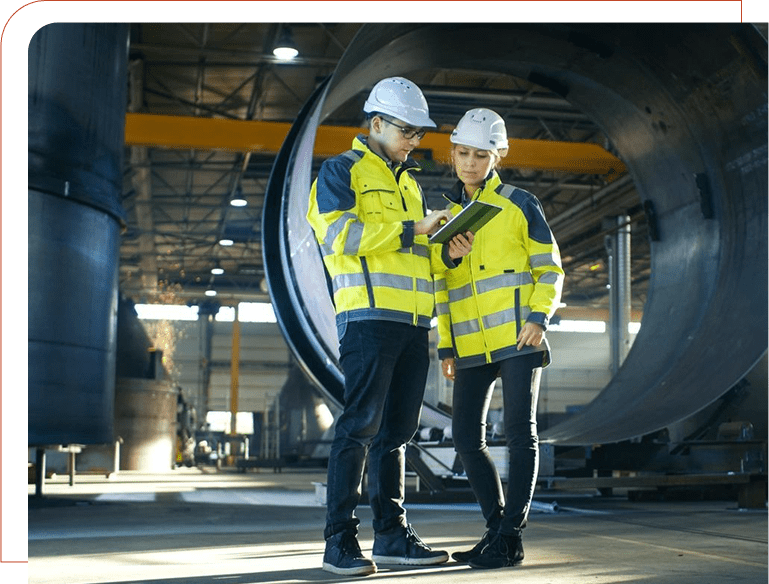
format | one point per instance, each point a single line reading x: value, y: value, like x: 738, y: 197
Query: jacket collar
x: 361, y: 143
x: 456, y: 193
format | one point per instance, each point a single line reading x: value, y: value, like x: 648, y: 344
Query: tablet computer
x: 471, y: 218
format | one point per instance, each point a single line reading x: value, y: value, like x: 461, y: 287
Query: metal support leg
x: 39, y: 471
x: 72, y: 468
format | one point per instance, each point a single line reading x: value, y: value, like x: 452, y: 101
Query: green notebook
x: 471, y: 218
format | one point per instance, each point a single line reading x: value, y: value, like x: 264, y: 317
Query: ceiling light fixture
x: 285, y: 49
x: 238, y: 200
x: 210, y: 292
x: 226, y: 242
x: 217, y: 271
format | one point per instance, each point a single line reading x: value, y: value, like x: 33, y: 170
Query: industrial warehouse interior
x: 184, y: 376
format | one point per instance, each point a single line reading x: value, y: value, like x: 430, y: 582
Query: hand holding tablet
x: 471, y: 218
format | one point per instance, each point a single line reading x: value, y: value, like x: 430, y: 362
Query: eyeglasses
x: 408, y: 133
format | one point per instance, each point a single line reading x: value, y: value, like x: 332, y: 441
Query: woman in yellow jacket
x: 493, y: 310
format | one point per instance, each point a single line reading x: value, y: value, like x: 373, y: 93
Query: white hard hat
x: 401, y: 99
x: 483, y: 129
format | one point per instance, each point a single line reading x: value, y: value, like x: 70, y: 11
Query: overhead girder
x: 686, y: 108
x: 162, y: 131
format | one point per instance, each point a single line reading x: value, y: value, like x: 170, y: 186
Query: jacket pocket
x: 381, y: 206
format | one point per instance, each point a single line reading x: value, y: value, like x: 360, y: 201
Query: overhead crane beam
x: 160, y: 131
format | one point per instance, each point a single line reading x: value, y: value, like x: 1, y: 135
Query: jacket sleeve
x: 445, y: 344
x: 440, y: 260
x: 545, y: 263
x: 439, y: 254
x: 334, y: 214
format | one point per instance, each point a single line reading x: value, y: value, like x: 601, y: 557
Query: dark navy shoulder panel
x: 532, y: 211
x: 333, y: 191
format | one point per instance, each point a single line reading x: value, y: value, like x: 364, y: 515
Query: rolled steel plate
x: 684, y: 105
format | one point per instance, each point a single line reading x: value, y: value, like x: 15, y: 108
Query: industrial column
x: 618, y: 248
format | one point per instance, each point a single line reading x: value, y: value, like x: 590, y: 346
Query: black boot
x: 343, y: 556
x: 476, y: 550
x: 502, y: 552
x: 402, y: 545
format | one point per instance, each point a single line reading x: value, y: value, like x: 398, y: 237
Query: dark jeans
x: 473, y: 388
x: 385, y: 366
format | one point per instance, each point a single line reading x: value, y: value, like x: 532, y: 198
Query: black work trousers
x: 473, y: 388
x: 385, y: 366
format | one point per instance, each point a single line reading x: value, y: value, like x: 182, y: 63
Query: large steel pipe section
x: 686, y: 108
x: 77, y: 100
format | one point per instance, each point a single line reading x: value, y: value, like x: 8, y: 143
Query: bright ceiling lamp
x: 285, y: 49
x: 238, y: 200
x: 226, y: 242
x: 210, y: 292
x: 217, y: 271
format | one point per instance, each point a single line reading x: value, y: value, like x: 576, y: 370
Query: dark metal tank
x: 77, y: 103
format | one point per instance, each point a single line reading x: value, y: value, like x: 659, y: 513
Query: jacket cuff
x: 539, y: 318
x: 407, y: 237
x: 447, y: 261
x: 445, y: 353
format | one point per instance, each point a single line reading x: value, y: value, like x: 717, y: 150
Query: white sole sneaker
x: 359, y: 571
x: 397, y: 560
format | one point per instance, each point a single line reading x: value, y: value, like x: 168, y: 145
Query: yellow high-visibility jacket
x: 512, y: 275
x: 363, y: 212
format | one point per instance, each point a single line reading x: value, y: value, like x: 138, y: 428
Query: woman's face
x: 472, y: 165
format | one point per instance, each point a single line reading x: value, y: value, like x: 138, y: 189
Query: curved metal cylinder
x: 77, y: 88
x: 685, y: 107
x: 145, y: 420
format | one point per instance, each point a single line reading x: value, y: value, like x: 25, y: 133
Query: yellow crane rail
x: 160, y: 131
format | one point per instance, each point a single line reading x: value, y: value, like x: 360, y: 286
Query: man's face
x: 391, y: 137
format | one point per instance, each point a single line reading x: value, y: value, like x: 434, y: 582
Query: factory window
x: 588, y: 326
x: 248, y: 312
x: 578, y: 326
x: 256, y: 312
x: 219, y: 421
x: 166, y: 312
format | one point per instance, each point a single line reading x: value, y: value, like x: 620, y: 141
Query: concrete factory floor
x: 194, y: 527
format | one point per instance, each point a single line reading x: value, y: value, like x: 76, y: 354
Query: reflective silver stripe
x: 419, y: 250
x: 392, y: 281
x: 348, y: 281
x: 383, y: 281
x: 465, y: 328
x: 425, y: 286
x: 499, y: 318
x: 504, y: 281
x: 504, y: 317
x: 354, y: 235
x: 541, y: 259
x: 458, y: 294
x: 352, y: 155
x: 440, y: 285
x: 338, y: 226
x: 441, y: 308
x: 506, y: 191
x: 549, y: 278
x: 326, y: 249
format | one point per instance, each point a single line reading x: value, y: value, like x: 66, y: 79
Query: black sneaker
x: 503, y: 551
x: 343, y: 556
x: 402, y: 545
x: 475, y: 551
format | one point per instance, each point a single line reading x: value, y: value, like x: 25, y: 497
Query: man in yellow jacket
x: 368, y: 215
